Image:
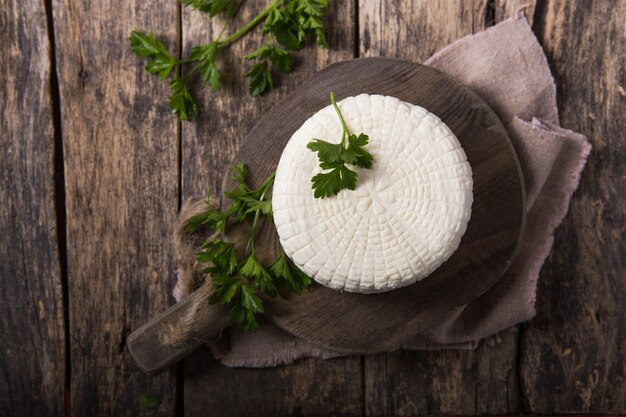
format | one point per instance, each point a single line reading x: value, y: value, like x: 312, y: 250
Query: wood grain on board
x: 415, y: 30
x: 574, y: 350
x: 32, y: 339
x: 208, y: 146
x: 120, y: 148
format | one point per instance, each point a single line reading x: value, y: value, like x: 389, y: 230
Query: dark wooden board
x: 208, y: 146
x: 383, y: 322
x: 32, y: 331
x: 121, y: 157
x: 574, y: 351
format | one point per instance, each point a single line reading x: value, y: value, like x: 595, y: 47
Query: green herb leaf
x: 244, y: 312
x: 202, y: 5
x: 181, y: 101
x: 227, y: 7
x: 355, y: 154
x: 326, y: 151
x: 328, y: 184
x: 146, y: 45
x: 265, y: 206
x: 219, y: 253
x: 240, y: 174
x: 279, y: 57
x: 254, y: 270
x: 195, y: 222
x: 250, y: 300
x: 283, y: 269
x: 335, y: 156
x: 245, y: 200
x: 162, y: 63
x: 290, y: 24
x: 205, y: 56
x: 237, y: 275
x: 289, y: 34
x: 149, y: 401
x: 260, y: 78
x: 224, y: 289
x: 312, y: 12
x: 286, y: 24
x: 212, y: 7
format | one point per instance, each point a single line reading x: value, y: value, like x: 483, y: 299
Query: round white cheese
x: 407, y: 214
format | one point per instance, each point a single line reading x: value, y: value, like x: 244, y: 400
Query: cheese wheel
x: 407, y: 214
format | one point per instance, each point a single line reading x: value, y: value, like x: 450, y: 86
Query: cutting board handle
x: 153, y: 355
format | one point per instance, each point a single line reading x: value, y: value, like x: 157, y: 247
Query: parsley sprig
x: 335, y: 157
x: 286, y: 26
x: 237, y: 275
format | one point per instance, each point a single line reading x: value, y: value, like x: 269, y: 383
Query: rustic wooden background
x: 94, y: 168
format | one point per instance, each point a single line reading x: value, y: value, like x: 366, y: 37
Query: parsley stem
x: 268, y: 182
x: 346, y: 131
x: 251, y: 24
x: 219, y: 35
x: 257, y: 213
x: 229, y: 18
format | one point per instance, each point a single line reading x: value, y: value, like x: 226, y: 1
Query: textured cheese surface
x: 407, y: 214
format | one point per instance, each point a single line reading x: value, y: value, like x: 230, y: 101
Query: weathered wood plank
x: 448, y: 382
x: 574, y: 350
x: 32, y: 356
x: 208, y: 145
x: 122, y: 191
x: 443, y: 382
x: 416, y: 29
x: 309, y: 387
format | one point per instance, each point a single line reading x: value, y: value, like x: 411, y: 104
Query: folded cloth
x: 506, y: 66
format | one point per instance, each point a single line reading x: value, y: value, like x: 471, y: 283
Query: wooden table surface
x: 94, y: 168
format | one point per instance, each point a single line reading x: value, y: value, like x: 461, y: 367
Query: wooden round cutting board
x: 359, y: 323
x: 365, y: 323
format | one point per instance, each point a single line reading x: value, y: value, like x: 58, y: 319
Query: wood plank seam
x: 489, y: 17
x: 32, y: 353
x: 59, y: 196
x: 179, y: 406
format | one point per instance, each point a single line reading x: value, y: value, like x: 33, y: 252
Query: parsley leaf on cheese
x: 327, y: 184
x: 335, y: 156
